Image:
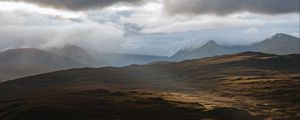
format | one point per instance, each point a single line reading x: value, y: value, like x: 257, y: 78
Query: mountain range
x: 25, y: 62
x: 280, y: 44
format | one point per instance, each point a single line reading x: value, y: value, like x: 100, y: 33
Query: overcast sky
x: 156, y: 27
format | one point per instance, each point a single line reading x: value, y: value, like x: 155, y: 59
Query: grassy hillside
x: 264, y: 85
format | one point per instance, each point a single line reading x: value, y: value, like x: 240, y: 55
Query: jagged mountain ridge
x: 280, y: 44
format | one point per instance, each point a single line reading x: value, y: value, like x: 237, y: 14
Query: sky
x: 152, y: 27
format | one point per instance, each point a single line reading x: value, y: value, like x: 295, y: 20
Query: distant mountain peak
x: 280, y: 44
x: 76, y: 53
x: 212, y: 42
x: 281, y: 35
x: 211, y: 48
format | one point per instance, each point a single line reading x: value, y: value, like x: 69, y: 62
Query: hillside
x: 29, y: 61
x: 267, y: 86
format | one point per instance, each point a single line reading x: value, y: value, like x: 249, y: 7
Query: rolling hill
x: 265, y: 85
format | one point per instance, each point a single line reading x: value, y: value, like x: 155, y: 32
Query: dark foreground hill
x: 243, y: 86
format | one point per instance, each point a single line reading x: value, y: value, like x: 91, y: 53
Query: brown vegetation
x: 223, y: 87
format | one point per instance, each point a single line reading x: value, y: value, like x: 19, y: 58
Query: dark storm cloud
x: 79, y: 4
x: 225, y: 7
